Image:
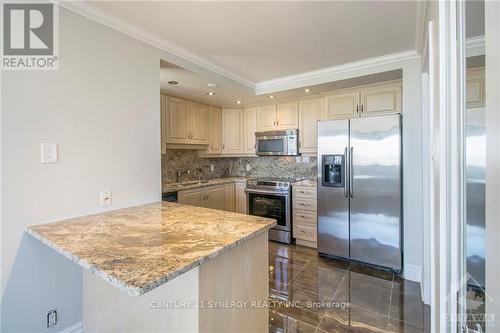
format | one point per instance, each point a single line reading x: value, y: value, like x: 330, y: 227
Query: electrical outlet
x: 49, y: 152
x: 52, y: 318
x: 106, y: 197
x: 248, y: 167
x: 212, y: 168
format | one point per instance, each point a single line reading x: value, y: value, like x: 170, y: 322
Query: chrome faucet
x: 179, y: 174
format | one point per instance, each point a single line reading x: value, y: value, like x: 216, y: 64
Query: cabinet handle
x: 306, y: 205
x: 362, y: 107
x: 223, y: 146
x: 305, y: 217
x: 357, y: 108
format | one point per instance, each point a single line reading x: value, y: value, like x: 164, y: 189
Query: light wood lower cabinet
x: 240, y: 198
x: 214, y: 196
x: 304, y: 215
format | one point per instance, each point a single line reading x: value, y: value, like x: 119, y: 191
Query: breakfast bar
x: 167, y: 267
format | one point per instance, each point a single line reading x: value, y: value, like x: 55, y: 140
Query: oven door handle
x: 281, y: 194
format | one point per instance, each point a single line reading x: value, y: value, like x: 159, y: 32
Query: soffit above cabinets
x: 194, y: 87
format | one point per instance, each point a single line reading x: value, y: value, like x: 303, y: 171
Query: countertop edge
x: 137, y: 291
x: 211, y: 182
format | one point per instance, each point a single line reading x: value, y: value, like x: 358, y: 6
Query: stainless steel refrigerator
x: 359, y: 190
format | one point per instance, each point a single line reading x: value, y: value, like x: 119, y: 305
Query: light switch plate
x: 248, y: 167
x: 106, y: 198
x: 49, y: 153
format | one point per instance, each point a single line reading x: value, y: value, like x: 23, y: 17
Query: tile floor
x: 312, y: 294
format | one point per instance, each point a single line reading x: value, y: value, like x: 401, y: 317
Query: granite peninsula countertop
x: 173, y: 187
x: 137, y: 249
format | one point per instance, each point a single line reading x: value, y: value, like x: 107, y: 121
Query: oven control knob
x: 286, y: 184
x: 280, y: 184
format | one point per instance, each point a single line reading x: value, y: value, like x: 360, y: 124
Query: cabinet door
x: 240, y: 198
x: 266, y: 118
x: 343, y: 104
x: 381, y: 99
x: 192, y: 197
x: 232, y: 131
x: 310, y: 112
x: 287, y: 115
x: 177, y: 118
x: 199, y: 123
x: 164, y: 122
x: 215, y: 130
x: 250, y: 129
x: 216, y: 197
x: 475, y: 88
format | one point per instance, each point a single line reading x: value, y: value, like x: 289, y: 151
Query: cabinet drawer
x: 305, y: 204
x: 304, y: 217
x: 305, y: 232
x: 304, y: 192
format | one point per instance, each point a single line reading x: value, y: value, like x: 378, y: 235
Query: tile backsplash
x: 266, y: 166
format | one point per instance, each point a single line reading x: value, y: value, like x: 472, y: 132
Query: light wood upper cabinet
x: 276, y: 117
x: 199, y: 123
x: 232, y: 131
x: 177, y: 120
x: 184, y: 122
x: 266, y: 118
x: 382, y: 98
x: 250, y: 123
x: 310, y: 112
x: 343, y: 104
x: 475, y: 89
x: 240, y: 198
x: 365, y: 101
x: 215, y: 130
x: 287, y: 115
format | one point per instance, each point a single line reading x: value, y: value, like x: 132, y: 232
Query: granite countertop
x: 306, y: 182
x: 173, y: 187
x: 139, y: 248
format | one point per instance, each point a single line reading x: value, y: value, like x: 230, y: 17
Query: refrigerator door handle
x: 351, y: 180
x: 346, y: 177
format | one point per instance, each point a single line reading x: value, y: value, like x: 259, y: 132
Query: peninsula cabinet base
x: 218, y: 296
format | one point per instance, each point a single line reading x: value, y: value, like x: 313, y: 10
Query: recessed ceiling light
x: 173, y: 82
x: 210, y: 93
x: 307, y: 90
x: 271, y: 96
x: 238, y: 102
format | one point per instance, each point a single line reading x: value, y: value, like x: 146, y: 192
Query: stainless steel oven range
x: 271, y: 197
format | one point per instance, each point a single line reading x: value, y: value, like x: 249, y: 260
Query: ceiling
x: 244, y: 45
x: 261, y: 41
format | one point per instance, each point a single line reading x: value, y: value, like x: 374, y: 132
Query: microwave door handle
x: 346, y: 168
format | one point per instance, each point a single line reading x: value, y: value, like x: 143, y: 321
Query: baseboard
x: 75, y: 328
x: 413, y: 273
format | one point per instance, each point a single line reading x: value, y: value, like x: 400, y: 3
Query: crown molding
x: 475, y: 46
x: 420, y: 25
x: 88, y: 10
x: 357, y: 68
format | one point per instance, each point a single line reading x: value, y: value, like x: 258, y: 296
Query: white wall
x: 412, y: 170
x: 493, y: 162
x: 102, y: 108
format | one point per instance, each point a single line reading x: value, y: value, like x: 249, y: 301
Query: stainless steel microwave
x: 280, y: 143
